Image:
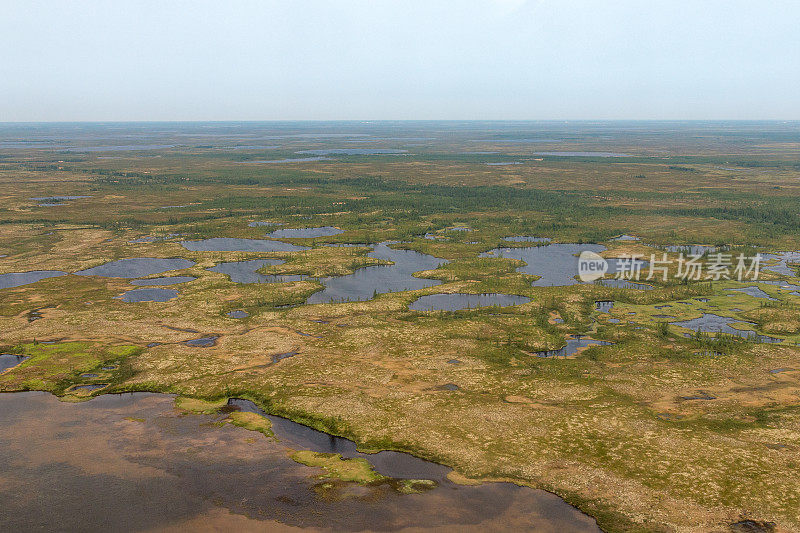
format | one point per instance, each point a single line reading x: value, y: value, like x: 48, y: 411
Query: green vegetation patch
x: 252, y: 421
x: 57, y: 367
x: 198, y: 406
x: 357, y: 470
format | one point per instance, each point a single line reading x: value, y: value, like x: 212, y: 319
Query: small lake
x: 784, y: 259
x: 557, y: 264
x: 604, y: 306
x: 238, y: 313
x: 365, y: 282
x: 57, y: 198
x: 227, y: 244
x: 457, y: 301
x: 202, y: 342
x: 17, y: 279
x: 131, y: 462
x: 136, y: 267
x: 304, y: 233
x: 173, y: 280
x: 149, y: 295
x: 711, y: 323
x: 245, y: 271
x: 10, y: 360
x: 754, y: 291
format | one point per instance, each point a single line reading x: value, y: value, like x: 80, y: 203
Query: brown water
x: 133, y: 463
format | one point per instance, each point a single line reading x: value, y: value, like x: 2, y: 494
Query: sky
x: 118, y: 60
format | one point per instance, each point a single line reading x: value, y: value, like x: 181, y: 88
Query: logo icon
x: 591, y: 266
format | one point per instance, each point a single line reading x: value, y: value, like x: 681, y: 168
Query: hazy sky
x: 399, y: 59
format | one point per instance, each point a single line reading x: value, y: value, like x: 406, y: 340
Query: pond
x: 753, y: 291
x: 136, y: 267
x: 173, y: 280
x: 604, y: 306
x: 227, y: 244
x: 281, y: 356
x: 366, y: 282
x: 17, y: 279
x: 57, y: 198
x: 202, y: 342
x: 557, y: 264
x: 692, y: 249
x: 573, y: 345
x: 149, y: 295
x: 623, y: 284
x: 711, y: 323
x: 131, y: 462
x: 304, y: 233
x: 10, y: 360
x: 238, y: 313
x: 55, y: 201
x: 456, y: 301
x: 782, y: 266
x: 245, y: 271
